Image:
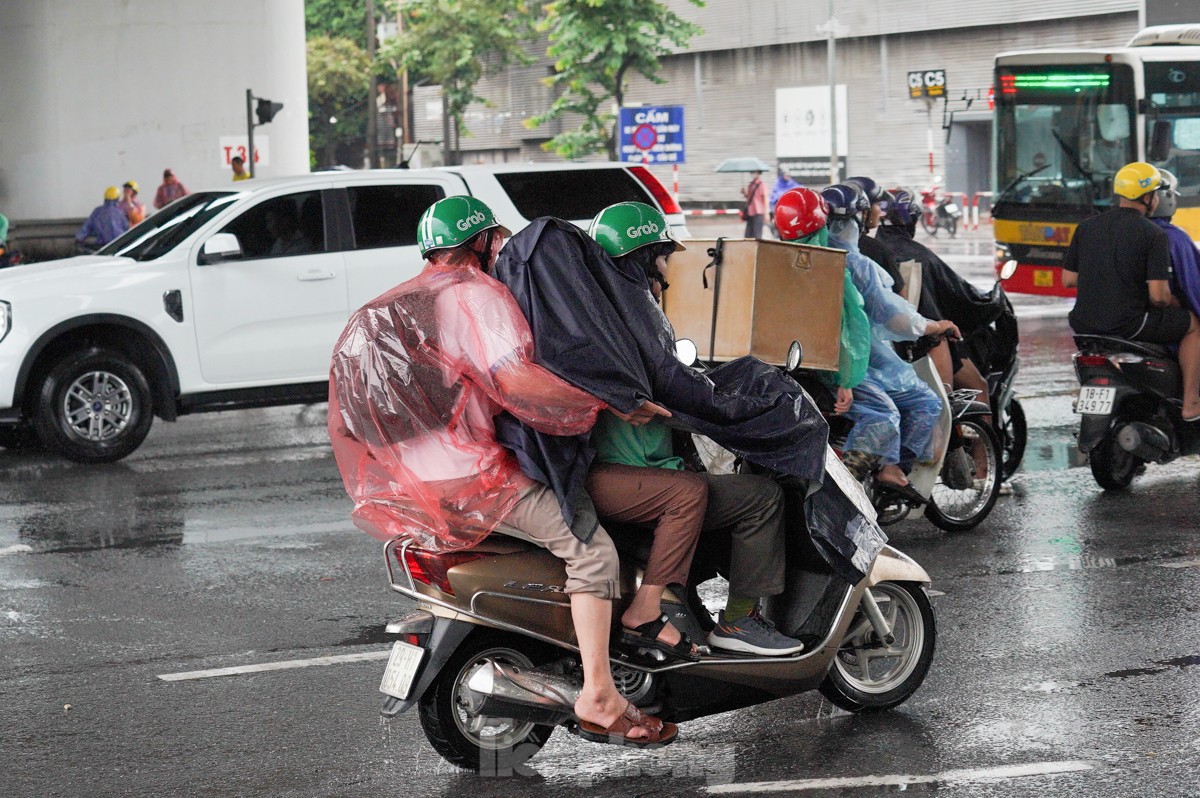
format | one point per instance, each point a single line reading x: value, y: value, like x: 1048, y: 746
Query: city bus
x: 1067, y: 120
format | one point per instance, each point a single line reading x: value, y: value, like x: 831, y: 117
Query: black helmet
x: 845, y: 200
x: 872, y: 189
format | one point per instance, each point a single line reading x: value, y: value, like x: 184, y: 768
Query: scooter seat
x: 1106, y: 344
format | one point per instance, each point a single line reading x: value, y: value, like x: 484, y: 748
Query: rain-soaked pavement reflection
x: 1068, y: 627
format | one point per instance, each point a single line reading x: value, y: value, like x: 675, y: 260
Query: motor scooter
x: 490, y: 660
x: 940, y: 212
x: 1129, y: 406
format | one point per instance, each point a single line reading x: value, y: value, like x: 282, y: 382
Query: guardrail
x: 980, y: 195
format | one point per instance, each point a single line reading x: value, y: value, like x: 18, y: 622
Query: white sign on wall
x: 802, y: 122
x: 230, y: 146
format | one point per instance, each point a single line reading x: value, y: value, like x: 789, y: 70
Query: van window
x: 281, y: 226
x: 386, y: 216
x: 571, y: 193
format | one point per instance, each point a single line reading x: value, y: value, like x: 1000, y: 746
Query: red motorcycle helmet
x: 800, y: 212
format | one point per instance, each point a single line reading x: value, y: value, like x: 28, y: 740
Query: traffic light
x: 266, y: 110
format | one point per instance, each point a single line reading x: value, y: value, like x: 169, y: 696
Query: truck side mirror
x: 1160, y: 141
x: 222, y: 246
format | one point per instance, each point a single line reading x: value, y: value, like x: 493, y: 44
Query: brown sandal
x: 618, y: 733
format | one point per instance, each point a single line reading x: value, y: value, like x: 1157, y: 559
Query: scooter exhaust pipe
x: 1144, y: 441
x: 500, y: 690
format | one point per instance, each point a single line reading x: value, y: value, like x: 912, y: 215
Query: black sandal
x: 646, y: 636
x: 906, y: 492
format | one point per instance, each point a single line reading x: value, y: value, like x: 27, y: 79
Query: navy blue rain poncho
x: 596, y: 325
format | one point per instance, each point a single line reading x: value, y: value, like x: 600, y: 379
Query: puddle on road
x: 1162, y: 666
x: 368, y: 635
x: 1052, y: 449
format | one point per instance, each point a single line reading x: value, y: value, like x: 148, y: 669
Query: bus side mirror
x: 1160, y: 141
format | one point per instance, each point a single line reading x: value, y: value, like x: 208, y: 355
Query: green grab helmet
x: 626, y: 226
x: 452, y: 221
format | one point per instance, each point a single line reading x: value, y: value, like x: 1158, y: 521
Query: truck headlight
x: 5, y: 318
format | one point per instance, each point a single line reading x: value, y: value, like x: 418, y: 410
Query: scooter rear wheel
x: 871, y: 676
x: 960, y: 509
x: 1112, y: 467
x: 495, y: 746
x: 1013, y: 437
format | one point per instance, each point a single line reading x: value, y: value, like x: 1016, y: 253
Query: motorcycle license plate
x: 401, y: 669
x: 1095, y: 401
x: 951, y: 207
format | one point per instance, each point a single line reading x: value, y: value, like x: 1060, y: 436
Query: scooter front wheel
x: 969, y: 484
x: 496, y: 746
x: 872, y: 675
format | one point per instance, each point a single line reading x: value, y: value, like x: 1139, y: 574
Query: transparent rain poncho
x: 416, y: 379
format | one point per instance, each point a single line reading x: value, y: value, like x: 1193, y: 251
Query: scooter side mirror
x: 795, y: 356
x: 1008, y: 269
x: 686, y: 351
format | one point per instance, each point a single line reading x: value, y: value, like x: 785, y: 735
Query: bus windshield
x: 1063, y: 131
x: 161, y: 232
x: 1173, y: 91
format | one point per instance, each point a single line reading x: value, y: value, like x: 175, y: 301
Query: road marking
x: 1179, y: 564
x: 19, y: 548
x: 275, y: 666
x: 900, y: 780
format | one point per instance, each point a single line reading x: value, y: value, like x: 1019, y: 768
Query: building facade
x: 96, y: 93
x: 756, y: 83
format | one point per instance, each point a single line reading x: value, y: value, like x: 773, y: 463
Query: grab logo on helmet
x: 646, y: 229
x: 466, y: 224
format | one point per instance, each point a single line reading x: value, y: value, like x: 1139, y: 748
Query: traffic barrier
x: 975, y: 208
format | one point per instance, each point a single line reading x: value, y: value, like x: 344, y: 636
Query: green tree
x: 452, y: 42
x: 338, y: 82
x: 596, y: 45
x: 343, y: 19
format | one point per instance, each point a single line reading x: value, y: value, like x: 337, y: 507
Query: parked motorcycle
x: 1129, y: 406
x: 9, y: 256
x: 940, y: 212
x: 490, y: 659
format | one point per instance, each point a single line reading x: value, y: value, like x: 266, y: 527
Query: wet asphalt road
x: 1068, y: 633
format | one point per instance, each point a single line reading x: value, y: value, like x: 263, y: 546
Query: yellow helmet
x: 112, y: 193
x: 132, y: 184
x: 1136, y: 180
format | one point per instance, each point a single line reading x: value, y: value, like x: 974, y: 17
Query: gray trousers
x: 745, y: 517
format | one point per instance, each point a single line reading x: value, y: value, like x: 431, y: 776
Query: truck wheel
x: 94, y: 407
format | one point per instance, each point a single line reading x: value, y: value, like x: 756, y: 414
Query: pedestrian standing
x: 170, y: 190
x: 134, y: 208
x: 238, y: 164
x: 106, y: 222
x: 756, y: 206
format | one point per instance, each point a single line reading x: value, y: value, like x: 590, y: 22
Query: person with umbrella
x: 755, y: 210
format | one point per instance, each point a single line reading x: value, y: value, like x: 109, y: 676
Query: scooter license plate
x: 1095, y: 401
x: 951, y: 207
x: 401, y: 669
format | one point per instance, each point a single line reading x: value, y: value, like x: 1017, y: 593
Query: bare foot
x: 891, y: 475
x: 604, y: 710
x: 669, y: 634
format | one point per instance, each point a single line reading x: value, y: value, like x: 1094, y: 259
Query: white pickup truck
x: 233, y: 298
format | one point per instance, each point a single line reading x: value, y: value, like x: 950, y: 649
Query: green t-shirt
x: 647, y: 446
x: 3, y: 228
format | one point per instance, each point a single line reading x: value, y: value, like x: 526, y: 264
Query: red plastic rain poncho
x: 416, y: 378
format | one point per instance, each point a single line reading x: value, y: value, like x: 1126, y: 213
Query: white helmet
x: 1168, y: 195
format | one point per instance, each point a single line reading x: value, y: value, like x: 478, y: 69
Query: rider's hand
x: 946, y: 328
x: 643, y: 414
x: 845, y: 398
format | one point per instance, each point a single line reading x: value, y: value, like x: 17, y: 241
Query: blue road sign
x: 651, y: 134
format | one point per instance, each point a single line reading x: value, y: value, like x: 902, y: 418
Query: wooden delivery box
x: 772, y: 293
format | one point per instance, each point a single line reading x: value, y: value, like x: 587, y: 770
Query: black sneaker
x: 752, y: 634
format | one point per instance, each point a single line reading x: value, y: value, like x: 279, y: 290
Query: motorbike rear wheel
x: 929, y: 223
x: 871, y: 676
x: 951, y: 224
x: 1013, y: 437
x: 1112, y: 467
x: 496, y: 746
x: 959, y: 509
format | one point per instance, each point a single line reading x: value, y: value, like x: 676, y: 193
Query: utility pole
x: 830, y: 29
x: 372, y: 114
x: 250, y: 130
